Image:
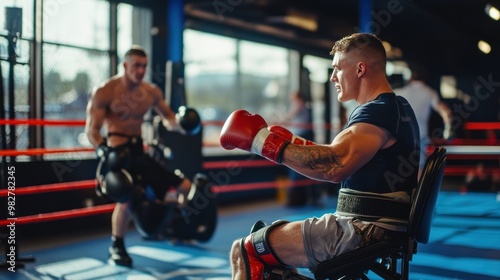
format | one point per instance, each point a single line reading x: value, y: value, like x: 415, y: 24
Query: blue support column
x: 175, y: 28
x: 175, y: 68
x: 185, y: 148
x: 365, y: 18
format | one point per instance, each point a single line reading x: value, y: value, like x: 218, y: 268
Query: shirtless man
x: 119, y: 105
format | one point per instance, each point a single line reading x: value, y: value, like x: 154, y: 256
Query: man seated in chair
x: 375, y: 158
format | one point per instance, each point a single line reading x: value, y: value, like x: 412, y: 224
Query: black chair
x: 382, y: 258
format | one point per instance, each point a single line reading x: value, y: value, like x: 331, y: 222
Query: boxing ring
x: 162, y: 260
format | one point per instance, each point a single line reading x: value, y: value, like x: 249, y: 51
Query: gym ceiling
x: 441, y: 34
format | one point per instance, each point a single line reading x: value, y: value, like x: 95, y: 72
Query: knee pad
x: 257, y: 254
x: 118, y: 185
x: 118, y: 158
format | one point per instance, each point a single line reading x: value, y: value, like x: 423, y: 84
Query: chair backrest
x: 425, y: 197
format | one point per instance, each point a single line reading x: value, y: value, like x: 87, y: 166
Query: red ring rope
x: 482, y: 126
x: 73, y: 213
x: 467, y: 125
x: 472, y: 157
x: 42, y: 122
x: 42, y: 151
x: 69, y: 186
x: 473, y: 142
x: 463, y: 170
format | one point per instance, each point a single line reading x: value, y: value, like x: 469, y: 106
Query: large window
x: 318, y: 68
x: 265, y: 79
x: 76, y: 43
x: 224, y: 74
x: 18, y: 69
x: 134, y: 28
x: 77, y: 46
x: 83, y: 23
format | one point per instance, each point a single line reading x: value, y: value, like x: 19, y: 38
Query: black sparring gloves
x: 102, y: 150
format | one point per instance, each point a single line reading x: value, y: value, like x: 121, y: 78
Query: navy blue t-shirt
x: 394, y: 168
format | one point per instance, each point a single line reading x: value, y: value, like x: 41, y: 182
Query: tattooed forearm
x: 320, y: 160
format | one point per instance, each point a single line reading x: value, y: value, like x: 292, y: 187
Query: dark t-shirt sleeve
x: 377, y: 113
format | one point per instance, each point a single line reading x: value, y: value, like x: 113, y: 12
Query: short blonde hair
x: 136, y: 50
x: 366, y: 44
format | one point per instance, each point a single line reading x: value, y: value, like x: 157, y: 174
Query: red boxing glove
x: 249, y: 132
x: 288, y: 135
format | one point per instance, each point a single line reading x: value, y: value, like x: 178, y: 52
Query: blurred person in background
x: 423, y: 99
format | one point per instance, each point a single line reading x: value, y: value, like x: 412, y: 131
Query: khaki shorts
x: 330, y: 236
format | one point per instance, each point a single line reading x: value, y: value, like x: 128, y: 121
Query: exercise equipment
x: 196, y: 219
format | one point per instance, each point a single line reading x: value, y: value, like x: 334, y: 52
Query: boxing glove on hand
x: 288, y: 135
x: 249, y: 132
x: 103, y: 149
x: 188, y: 120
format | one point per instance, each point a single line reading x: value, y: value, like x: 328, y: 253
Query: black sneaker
x: 119, y: 256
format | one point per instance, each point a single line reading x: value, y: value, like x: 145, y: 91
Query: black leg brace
x: 255, y: 248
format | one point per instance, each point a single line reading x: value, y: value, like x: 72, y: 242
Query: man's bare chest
x: 130, y: 105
